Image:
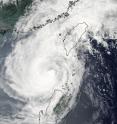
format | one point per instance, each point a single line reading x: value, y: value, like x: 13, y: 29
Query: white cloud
x: 40, y: 59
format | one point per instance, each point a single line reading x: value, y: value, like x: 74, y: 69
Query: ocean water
x: 58, y: 62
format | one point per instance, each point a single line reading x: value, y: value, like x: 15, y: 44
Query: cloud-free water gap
x: 38, y: 68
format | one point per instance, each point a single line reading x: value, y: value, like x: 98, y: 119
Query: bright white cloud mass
x: 43, y: 67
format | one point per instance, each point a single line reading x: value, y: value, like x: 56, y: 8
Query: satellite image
x: 58, y: 61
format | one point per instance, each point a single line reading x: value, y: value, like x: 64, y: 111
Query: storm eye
x: 47, y: 79
x: 39, y: 76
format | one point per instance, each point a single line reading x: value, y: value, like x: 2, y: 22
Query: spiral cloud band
x: 43, y: 68
x: 38, y: 68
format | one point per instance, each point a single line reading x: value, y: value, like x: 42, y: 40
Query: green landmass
x: 10, y: 13
x: 62, y: 105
